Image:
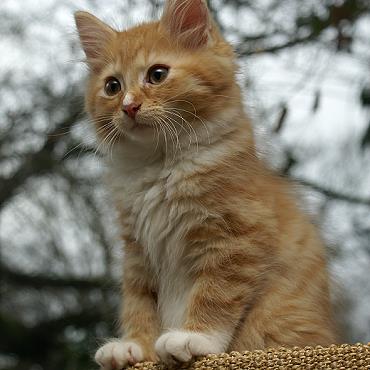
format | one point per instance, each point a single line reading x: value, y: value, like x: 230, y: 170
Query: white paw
x: 115, y: 355
x: 183, y: 346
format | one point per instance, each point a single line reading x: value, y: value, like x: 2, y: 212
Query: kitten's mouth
x: 132, y: 125
x: 139, y: 126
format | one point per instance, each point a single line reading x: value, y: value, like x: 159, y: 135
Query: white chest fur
x: 156, y: 199
x: 157, y: 222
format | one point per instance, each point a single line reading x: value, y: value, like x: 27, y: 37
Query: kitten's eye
x: 157, y: 74
x: 112, y: 86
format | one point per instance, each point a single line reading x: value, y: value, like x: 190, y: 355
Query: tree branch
x: 41, y: 161
x: 39, y: 281
x: 332, y: 194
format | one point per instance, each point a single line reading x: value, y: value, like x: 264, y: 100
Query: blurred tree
x: 59, y: 285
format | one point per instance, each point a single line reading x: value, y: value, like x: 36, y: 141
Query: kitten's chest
x: 156, y: 220
x: 150, y: 214
x: 159, y: 207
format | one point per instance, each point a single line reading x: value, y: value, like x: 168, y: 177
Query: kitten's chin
x: 137, y: 130
x: 141, y: 126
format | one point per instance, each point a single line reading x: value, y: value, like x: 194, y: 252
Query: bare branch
x: 332, y: 194
x: 41, y: 161
x: 39, y: 281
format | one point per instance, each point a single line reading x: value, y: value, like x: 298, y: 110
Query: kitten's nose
x: 131, y: 109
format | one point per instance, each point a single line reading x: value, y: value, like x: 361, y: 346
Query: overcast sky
x: 325, y: 141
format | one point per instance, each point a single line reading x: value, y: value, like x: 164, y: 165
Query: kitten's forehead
x: 138, y: 48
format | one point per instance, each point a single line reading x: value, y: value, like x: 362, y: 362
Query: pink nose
x: 131, y: 109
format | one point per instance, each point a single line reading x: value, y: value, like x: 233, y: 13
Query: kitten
x: 217, y: 255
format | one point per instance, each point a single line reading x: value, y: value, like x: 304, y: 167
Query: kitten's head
x: 165, y: 78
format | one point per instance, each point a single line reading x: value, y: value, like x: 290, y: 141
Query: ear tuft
x: 188, y: 21
x: 94, y: 36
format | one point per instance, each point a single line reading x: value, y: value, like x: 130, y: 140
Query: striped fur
x: 218, y: 256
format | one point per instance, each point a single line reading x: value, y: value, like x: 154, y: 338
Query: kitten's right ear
x: 94, y: 36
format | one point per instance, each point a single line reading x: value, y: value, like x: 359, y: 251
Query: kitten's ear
x: 188, y: 20
x: 94, y: 36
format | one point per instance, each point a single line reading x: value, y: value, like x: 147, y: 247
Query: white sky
x: 326, y: 141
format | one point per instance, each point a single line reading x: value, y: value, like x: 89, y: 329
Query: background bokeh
x: 305, y: 70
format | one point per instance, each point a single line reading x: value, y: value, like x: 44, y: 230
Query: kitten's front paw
x: 183, y: 346
x: 115, y: 355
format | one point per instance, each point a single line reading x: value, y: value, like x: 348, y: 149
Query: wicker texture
x: 339, y: 357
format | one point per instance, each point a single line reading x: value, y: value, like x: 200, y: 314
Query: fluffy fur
x: 218, y: 256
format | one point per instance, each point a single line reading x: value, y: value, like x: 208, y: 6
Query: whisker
x: 188, y: 125
x: 112, y: 142
x: 170, y: 132
x: 104, y: 140
x: 172, y: 124
x: 197, y: 117
x: 165, y: 136
x: 157, y: 134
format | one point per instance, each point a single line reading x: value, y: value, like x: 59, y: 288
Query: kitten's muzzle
x: 131, y: 109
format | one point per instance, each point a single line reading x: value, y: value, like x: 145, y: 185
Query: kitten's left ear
x: 188, y: 21
x: 94, y: 36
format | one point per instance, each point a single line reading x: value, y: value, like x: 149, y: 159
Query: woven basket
x: 339, y: 357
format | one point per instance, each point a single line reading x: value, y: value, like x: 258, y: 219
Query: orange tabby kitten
x: 218, y: 257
